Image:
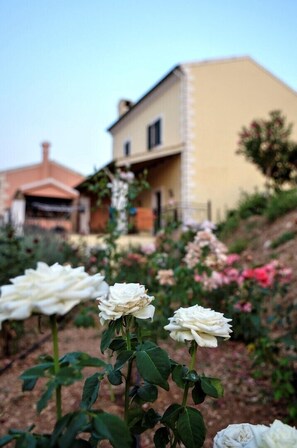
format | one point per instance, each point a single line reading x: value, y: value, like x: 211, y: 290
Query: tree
x: 267, y: 144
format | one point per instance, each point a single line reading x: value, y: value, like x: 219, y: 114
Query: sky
x: 65, y: 64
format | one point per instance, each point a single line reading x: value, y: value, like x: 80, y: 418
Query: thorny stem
x: 191, y: 367
x: 54, y: 329
x: 187, y: 386
x: 128, y: 377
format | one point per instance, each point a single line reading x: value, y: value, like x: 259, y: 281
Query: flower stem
x: 129, y: 370
x: 191, y: 367
x: 187, y: 386
x: 54, y: 329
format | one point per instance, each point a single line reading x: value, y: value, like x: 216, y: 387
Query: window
x: 127, y: 148
x: 154, y: 134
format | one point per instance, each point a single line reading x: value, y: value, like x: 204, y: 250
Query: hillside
x: 263, y: 241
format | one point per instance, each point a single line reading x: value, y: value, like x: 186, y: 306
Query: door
x: 158, y: 210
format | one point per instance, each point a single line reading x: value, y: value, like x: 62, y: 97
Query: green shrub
x: 283, y: 238
x: 252, y: 204
x: 238, y: 246
x: 15, y: 255
x: 20, y: 252
x: 229, y: 226
x: 281, y: 203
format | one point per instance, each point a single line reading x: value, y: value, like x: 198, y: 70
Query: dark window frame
x: 154, y: 134
x: 127, y: 148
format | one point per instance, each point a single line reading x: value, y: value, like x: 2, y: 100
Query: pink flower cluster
x: 133, y: 258
x: 166, y: 277
x: 215, y: 257
x: 244, y: 307
x: 265, y: 276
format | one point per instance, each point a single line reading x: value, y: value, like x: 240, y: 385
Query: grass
x: 238, y: 246
x: 283, y: 238
x: 281, y: 203
x: 258, y: 204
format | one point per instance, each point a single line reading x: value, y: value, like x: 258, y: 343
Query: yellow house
x: 184, y: 130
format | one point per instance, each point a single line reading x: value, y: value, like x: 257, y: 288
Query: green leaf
x: 115, y: 377
x: 178, y: 375
x: 36, y: 371
x: 171, y: 415
x: 29, y: 384
x: 150, y: 418
x: 122, y: 358
x: 108, y: 335
x: 118, y: 344
x: 6, y: 439
x: 198, y: 394
x: 90, y: 361
x: 212, y: 387
x: 77, y: 424
x: 140, y: 420
x: 190, y: 428
x: 82, y: 359
x: 135, y: 416
x: 153, y: 365
x: 67, y: 375
x: 90, y: 391
x: 148, y: 392
x: 42, y: 402
x: 59, y: 428
x: 26, y: 440
x: 112, y: 428
x: 161, y: 438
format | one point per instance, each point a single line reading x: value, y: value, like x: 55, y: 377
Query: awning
x: 58, y: 208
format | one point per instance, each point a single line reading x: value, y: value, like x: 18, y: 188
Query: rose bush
x: 48, y: 290
x: 202, y: 325
x: 126, y: 299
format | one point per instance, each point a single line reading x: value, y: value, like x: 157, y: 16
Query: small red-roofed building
x: 42, y: 195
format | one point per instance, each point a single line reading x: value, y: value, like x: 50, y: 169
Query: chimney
x: 124, y: 106
x: 45, y: 159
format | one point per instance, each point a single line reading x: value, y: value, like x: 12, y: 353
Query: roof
x: 92, y: 177
x: 48, y: 181
x: 36, y: 165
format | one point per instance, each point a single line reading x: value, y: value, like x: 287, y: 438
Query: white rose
x: 126, y: 299
x: 200, y: 324
x: 241, y: 435
x: 279, y: 435
x: 48, y: 290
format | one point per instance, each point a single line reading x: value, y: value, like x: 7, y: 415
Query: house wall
x: 164, y: 103
x: 226, y: 96
x: 68, y: 177
x: 17, y: 177
x: 13, y: 179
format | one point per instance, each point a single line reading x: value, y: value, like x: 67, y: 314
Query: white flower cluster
x: 126, y: 299
x: 202, y: 325
x: 48, y: 290
x: 245, y: 435
x: 206, y: 248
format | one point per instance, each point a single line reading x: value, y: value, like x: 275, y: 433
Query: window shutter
x: 149, y: 138
x: 158, y: 132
